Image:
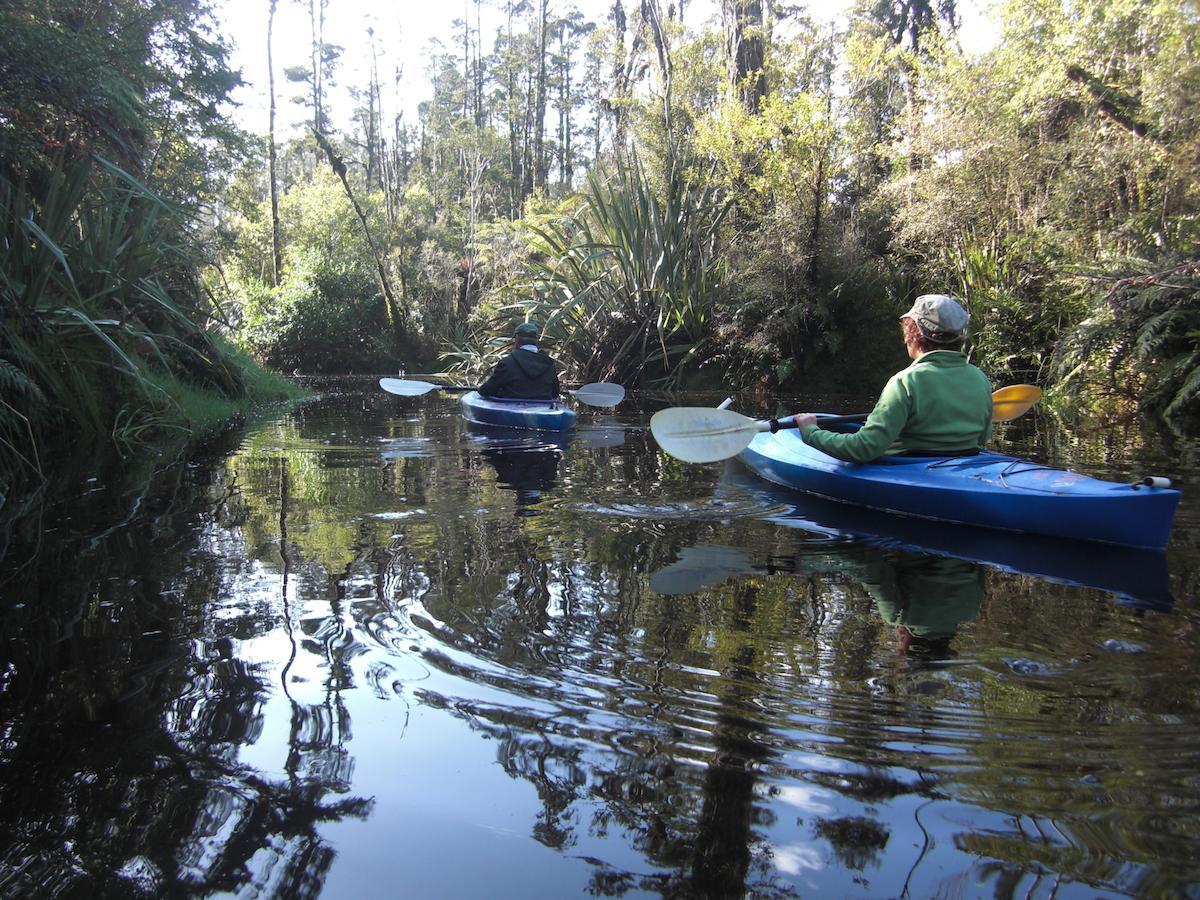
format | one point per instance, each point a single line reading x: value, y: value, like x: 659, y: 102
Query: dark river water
x: 362, y: 651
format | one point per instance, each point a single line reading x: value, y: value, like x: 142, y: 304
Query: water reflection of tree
x: 701, y: 827
x: 126, y: 708
x: 721, y: 850
x: 700, y: 824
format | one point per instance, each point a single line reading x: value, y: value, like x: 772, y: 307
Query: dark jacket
x: 523, y: 375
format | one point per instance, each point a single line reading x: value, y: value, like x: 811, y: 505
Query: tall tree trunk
x: 468, y: 81
x: 652, y: 15
x: 480, y: 119
x: 814, y: 236
x: 539, y: 123
x: 272, y: 159
x: 374, y: 120
x: 562, y: 101
x: 394, y: 310
x: 596, y: 92
x: 624, y: 65
x: 620, y: 78
x: 528, y: 162
x: 911, y: 19
x: 596, y: 144
x: 321, y: 63
x: 744, y: 50
x: 516, y: 176
x: 315, y: 60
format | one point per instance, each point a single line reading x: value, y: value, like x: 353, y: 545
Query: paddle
x: 701, y: 567
x: 703, y: 434
x: 600, y: 393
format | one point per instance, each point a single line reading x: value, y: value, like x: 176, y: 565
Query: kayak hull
x: 538, y: 415
x: 989, y: 490
x: 1137, y: 576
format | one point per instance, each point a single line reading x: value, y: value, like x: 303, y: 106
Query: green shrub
x: 325, y: 316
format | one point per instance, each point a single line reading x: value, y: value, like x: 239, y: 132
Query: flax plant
x: 87, y: 316
x: 625, y: 287
x: 628, y: 285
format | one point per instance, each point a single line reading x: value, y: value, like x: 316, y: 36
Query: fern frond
x: 14, y: 380
x: 1184, y: 398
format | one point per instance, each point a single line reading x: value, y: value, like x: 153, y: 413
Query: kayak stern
x: 540, y: 415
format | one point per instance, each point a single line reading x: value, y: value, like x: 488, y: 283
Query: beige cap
x: 939, y: 317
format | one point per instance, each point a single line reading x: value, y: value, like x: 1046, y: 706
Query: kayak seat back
x: 526, y: 401
x: 938, y: 454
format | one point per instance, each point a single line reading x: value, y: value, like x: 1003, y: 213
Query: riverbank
x: 205, y: 412
x: 124, y: 461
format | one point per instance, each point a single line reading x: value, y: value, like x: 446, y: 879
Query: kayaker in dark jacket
x: 526, y: 373
x: 939, y: 404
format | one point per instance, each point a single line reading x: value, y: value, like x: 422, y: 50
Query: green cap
x: 528, y: 330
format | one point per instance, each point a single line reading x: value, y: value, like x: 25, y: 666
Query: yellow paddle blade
x: 1015, y: 400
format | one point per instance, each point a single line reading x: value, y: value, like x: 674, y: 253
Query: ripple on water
x: 705, y: 508
x: 536, y: 660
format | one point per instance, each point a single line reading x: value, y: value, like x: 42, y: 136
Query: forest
x: 746, y: 202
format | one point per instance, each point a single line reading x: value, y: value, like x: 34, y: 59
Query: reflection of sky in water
x: 795, y: 859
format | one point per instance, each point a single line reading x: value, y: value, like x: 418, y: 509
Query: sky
x: 404, y: 30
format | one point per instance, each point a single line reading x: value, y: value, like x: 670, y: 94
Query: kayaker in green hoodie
x: 940, y: 405
x: 526, y: 373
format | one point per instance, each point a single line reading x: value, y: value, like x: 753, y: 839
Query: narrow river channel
x: 362, y: 650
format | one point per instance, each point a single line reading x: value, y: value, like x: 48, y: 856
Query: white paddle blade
x: 701, y: 434
x: 600, y: 393
x: 404, y: 388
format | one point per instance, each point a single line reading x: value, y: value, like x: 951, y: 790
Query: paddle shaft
x: 462, y: 389
x: 774, y: 425
x: 1010, y: 402
x: 822, y: 421
x: 597, y: 394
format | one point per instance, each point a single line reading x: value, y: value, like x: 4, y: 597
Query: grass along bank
x: 203, y: 412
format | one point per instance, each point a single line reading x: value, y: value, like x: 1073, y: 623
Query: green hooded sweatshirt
x: 939, y: 403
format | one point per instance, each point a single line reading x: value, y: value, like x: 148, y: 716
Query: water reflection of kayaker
x: 939, y: 405
x: 526, y: 373
x: 925, y: 598
x: 528, y: 472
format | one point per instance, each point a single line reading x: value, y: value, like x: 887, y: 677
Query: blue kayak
x: 1137, y: 576
x: 541, y: 415
x: 989, y: 490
